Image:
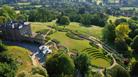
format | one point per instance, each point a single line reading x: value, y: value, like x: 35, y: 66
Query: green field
x: 73, y: 43
x: 79, y: 45
x: 70, y: 43
x: 100, y: 62
x: 94, y: 30
x: 21, y: 55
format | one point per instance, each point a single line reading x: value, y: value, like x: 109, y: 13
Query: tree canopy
x: 60, y: 65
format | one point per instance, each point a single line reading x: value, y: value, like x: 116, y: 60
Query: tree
x: 2, y: 19
x: 8, y: 67
x: 23, y: 74
x: 60, y: 65
x: 118, y: 71
x: 35, y: 72
x: 134, y: 44
x: 134, y: 70
x: 21, y: 17
x: 109, y: 33
x: 64, y: 20
x: 121, y: 46
x: 2, y: 47
x: 119, y: 21
x: 82, y: 63
x: 86, y: 19
x: 122, y: 31
x: 39, y: 70
x: 8, y: 13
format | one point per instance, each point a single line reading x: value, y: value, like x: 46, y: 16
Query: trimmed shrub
x: 55, y: 41
x: 44, y: 31
x: 73, y: 36
x: 2, y: 47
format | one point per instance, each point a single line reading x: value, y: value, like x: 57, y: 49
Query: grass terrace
x: 21, y: 55
x: 70, y: 43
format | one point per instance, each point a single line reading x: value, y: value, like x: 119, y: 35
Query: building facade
x: 15, y: 30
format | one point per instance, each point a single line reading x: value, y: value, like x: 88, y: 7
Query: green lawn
x: 94, y: 30
x: 37, y: 26
x: 79, y: 45
x: 100, y: 62
x: 20, y: 54
x: 70, y: 43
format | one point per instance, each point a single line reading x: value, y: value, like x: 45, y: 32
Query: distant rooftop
x: 15, y: 25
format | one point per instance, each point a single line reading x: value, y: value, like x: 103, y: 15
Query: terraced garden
x: 97, y: 56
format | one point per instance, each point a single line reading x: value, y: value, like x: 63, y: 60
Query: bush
x: 39, y: 70
x: 55, y: 41
x: 119, y: 21
x: 134, y: 44
x: 118, y: 71
x: 47, y: 39
x: 128, y: 41
x: 2, y: 47
x: 121, y: 46
x: 63, y: 20
x: 23, y: 74
x: 44, y: 31
x: 8, y: 67
x: 60, y: 65
x: 73, y: 36
x: 134, y: 70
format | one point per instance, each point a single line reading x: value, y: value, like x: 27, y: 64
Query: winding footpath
x: 110, y: 51
x: 35, y: 49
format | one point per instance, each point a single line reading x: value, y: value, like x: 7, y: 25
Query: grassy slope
x: 22, y: 55
x: 70, y: 43
x: 100, y: 62
x: 94, y: 30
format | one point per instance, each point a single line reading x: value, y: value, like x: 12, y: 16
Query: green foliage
x: 134, y: 44
x: 95, y: 19
x: 73, y: 36
x: 118, y: 71
x: 8, y: 13
x: 39, y: 70
x: 82, y: 63
x: 55, y: 41
x: 128, y: 40
x: 121, y: 46
x: 44, y: 31
x: 36, y: 72
x: 23, y: 74
x: 41, y: 15
x: 63, y: 20
x: 7, y: 66
x: 60, y: 65
x: 122, y: 31
x: 2, y: 47
x: 86, y: 19
x: 2, y: 19
x: 134, y: 70
x: 109, y: 33
x: 119, y: 21
x: 21, y: 17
